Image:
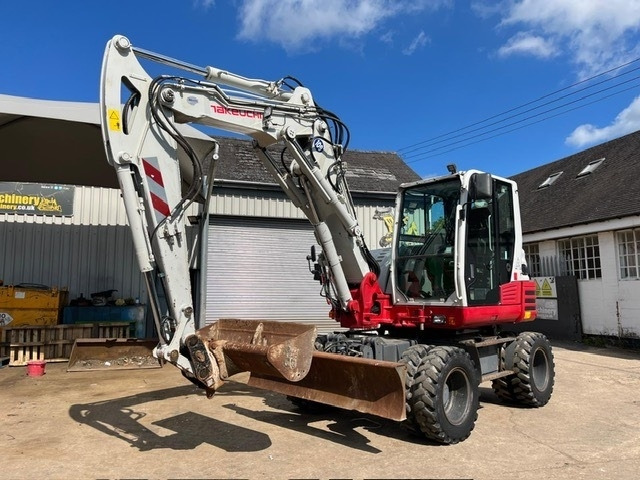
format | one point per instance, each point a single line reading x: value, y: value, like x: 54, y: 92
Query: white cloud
x: 387, y: 37
x: 528, y: 44
x: 596, y: 33
x: 297, y: 24
x: 626, y: 121
x: 420, y: 41
x: 205, y: 3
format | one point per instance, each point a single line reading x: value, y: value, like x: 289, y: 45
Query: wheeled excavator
x: 419, y: 325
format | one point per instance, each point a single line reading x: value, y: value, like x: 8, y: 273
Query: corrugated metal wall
x: 260, y: 203
x: 93, y: 251
x: 88, y: 252
x: 82, y: 258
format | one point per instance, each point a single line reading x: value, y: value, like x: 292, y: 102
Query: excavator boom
x: 146, y: 149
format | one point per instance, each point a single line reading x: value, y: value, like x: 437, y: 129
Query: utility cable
x: 465, y: 131
x: 523, y: 126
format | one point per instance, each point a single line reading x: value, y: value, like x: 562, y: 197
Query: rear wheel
x: 444, y: 395
x: 531, y: 358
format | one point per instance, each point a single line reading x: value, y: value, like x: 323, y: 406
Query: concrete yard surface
x: 155, y: 424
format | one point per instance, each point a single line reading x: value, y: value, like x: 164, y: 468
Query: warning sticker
x: 5, y: 319
x: 546, y: 287
x: 114, y: 119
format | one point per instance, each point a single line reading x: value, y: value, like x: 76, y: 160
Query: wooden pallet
x: 53, y: 343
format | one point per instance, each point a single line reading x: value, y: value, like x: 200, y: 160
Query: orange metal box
x: 31, y: 305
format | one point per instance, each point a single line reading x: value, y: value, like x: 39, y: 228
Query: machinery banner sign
x: 36, y: 199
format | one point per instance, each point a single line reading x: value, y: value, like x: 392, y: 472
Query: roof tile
x: 610, y: 191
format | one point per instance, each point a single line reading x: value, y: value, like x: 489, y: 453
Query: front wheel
x: 531, y: 359
x: 444, y: 396
x: 412, y: 358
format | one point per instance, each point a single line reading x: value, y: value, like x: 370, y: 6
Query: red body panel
x: 371, y: 308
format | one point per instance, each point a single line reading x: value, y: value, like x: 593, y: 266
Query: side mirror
x: 481, y: 186
x: 312, y: 256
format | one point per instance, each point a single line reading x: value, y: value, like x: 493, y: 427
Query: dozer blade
x: 281, y: 357
x: 352, y: 383
x: 112, y: 354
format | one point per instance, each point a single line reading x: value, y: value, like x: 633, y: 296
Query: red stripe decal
x: 153, y: 172
x: 160, y: 205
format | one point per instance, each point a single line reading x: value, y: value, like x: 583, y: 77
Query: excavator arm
x: 141, y: 117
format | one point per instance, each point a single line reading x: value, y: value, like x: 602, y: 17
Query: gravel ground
x: 152, y: 423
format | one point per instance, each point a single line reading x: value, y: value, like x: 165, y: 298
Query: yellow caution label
x: 546, y: 290
x: 114, y: 119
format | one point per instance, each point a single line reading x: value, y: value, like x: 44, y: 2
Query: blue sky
x: 401, y: 74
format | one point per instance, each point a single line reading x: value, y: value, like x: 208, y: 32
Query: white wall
x: 609, y: 306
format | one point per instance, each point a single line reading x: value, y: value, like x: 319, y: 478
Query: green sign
x: 36, y: 199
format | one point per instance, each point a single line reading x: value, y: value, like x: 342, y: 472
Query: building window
x: 628, y: 243
x: 581, y: 256
x: 591, y: 167
x: 532, y: 255
x: 550, y: 180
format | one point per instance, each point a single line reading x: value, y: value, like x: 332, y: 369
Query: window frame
x: 582, y: 257
x: 635, y: 255
x: 532, y: 256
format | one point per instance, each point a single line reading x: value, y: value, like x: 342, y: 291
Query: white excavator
x: 421, y: 324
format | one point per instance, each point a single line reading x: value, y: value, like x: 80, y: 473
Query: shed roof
x: 610, y: 191
x: 366, y: 171
x: 45, y: 141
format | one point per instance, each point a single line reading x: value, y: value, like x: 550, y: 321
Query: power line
x: 524, y: 112
x: 526, y: 125
x: 466, y: 131
x: 469, y: 137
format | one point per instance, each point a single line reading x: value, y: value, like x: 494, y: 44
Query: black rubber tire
x: 531, y: 358
x: 412, y: 357
x: 445, y: 396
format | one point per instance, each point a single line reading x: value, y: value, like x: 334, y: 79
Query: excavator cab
x: 456, y: 240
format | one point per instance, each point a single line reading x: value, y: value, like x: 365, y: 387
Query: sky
x: 501, y: 86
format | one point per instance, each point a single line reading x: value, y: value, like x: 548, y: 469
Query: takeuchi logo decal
x: 236, y: 112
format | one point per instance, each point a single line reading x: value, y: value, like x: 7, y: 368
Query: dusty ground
x: 153, y: 424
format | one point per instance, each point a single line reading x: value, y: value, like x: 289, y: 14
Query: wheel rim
x: 457, y: 396
x: 540, y: 369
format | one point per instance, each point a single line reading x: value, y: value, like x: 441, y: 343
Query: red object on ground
x: 35, y: 368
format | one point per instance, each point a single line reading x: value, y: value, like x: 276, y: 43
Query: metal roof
x: 46, y: 141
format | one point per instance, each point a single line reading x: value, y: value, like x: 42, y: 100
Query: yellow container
x: 31, y: 305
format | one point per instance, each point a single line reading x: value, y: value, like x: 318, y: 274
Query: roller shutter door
x: 257, y: 269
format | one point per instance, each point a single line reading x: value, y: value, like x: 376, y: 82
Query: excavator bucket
x: 281, y: 357
x: 112, y: 354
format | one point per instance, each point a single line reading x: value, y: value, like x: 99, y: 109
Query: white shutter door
x: 257, y: 269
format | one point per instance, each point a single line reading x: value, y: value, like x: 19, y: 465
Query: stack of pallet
x: 52, y: 343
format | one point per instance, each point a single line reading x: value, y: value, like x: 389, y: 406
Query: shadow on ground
x: 121, y: 417
x: 332, y: 424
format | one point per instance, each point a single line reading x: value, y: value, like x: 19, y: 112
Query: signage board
x: 36, y: 199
